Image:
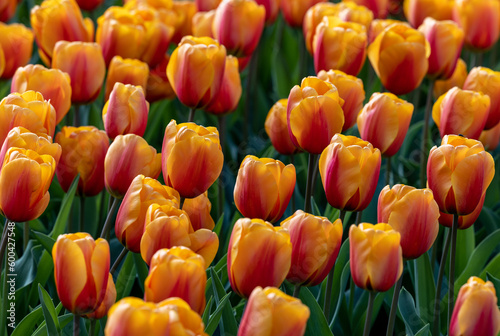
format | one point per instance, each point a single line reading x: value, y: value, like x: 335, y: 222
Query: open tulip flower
x: 313, y: 18
x: 416, y: 11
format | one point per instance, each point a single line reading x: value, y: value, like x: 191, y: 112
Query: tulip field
x: 249, y: 167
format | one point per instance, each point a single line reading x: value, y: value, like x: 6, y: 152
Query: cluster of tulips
x: 144, y: 51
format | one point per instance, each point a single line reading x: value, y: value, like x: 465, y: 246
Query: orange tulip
x: 192, y: 158
x: 349, y: 169
x: 378, y: 26
x: 83, y: 152
x: 489, y: 138
x: 81, y: 271
x: 459, y: 172
x: 16, y: 42
x: 108, y: 301
x: 417, y: 10
x: 128, y: 156
x: 265, y: 312
x: 399, y: 57
x: 378, y: 7
x: 351, y: 12
x: 264, y: 188
x: 277, y: 128
x: 228, y: 97
x: 86, y: 68
x: 202, y: 24
x: 184, y: 10
x: 315, y: 246
x: 89, y: 5
x: 206, y: 5
x: 7, y: 9
x: 272, y: 9
x: 313, y: 17
x: 457, y: 79
x: 158, y: 86
x: 258, y: 255
x: 314, y: 114
x: 198, y: 209
x: 59, y: 20
x: 384, y: 122
x: 461, y: 112
x: 2, y: 61
x: 464, y: 222
x: 295, y: 10
x: 126, y: 71
x: 476, y: 311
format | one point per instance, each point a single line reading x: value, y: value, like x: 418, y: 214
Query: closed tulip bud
x: 384, y: 122
x: 458, y: 173
x: 59, y: 20
x: 263, y: 188
x: 83, y: 152
x: 489, y: 138
x: 198, y: 210
x: 457, y: 79
x: 206, y: 5
x: 108, y: 301
x: 294, y: 11
x: 277, y: 128
x: 417, y: 10
x: 258, y: 255
x: 351, y: 12
x: 205, y: 61
x: 128, y: 156
x: 126, y: 71
x: 461, y: 112
x: 192, y: 158
x: 202, y: 24
x: 272, y: 9
x: 81, y: 271
x: 265, y: 311
x: 378, y: 26
x: 378, y: 7
x: 205, y: 243
x: 413, y: 213
x: 399, y: 57
x: 7, y: 9
x: 89, y: 5
x: 16, y: 42
x: 313, y: 18
x: 349, y: 169
x: 185, y: 10
x: 464, y: 222
x: 480, y: 20
x: 228, y: 97
x: 350, y: 90
x: 315, y: 246
x: 132, y: 316
x: 158, y: 86
x: 314, y: 114
x: 186, y: 273
x: 376, y: 256
x: 476, y: 311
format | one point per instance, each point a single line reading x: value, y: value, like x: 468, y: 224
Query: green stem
x: 181, y: 203
x: 76, y: 325
x: 26, y: 234
x: 118, y: 260
x: 76, y: 116
x: 310, y: 173
x: 192, y: 112
x: 302, y: 57
x: 359, y: 214
x: 425, y: 136
x: 294, y: 207
x: 109, y: 222
x: 369, y: 312
x: 250, y: 84
x: 92, y: 327
x: 437, y: 299
x: 296, y: 291
x: 451, y: 277
x: 394, y: 306
x: 220, y: 185
x: 3, y: 242
x: 5, y: 302
x: 82, y: 214
x: 388, y: 171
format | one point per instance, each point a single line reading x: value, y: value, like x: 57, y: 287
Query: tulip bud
x: 313, y: 17
x: 7, y: 9
x: 258, y: 255
x: 198, y: 209
x: 378, y: 7
x: 294, y: 10
x: 489, y: 138
x: 264, y: 188
x: 457, y: 79
x: 16, y: 42
x: 314, y: 114
x: 464, y: 222
x: 349, y: 169
x: 277, y: 129
x: 81, y: 271
x: 476, y: 311
x: 378, y: 26
x: 228, y: 97
x: 461, y: 112
x: 265, y: 312
x: 185, y: 10
x: 202, y: 24
x: 206, y: 5
x: 128, y: 156
x: 89, y: 5
x: 417, y: 10
x: 351, y: 12
x: 126, y: 71
x: 459, y: 172
x: 272, y: 8
x: 384, y: 122
x: 158, y: 86
x: 376, y: 256
x: 192, y: 158
x: 107, y: 302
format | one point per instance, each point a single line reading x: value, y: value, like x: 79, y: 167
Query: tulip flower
x: 264, y: 188
x: 350, y: 90
x: 265, y: 312
x: 315, y: 246
x: 7, y: 9
x: 314, y: 114
x: 59, y: 20
x: 489, y: 138
x: 384, y: 122
x: 349, y: 169
x: 132, y: 316
x: 464, y: 222
x: 202, y: 24
x: 83, y: 152
x: 89, y: 5
x: 228, y: 97
x: 206, y: 5
x: 486, y: 81
x: 81, y: 271
x: 378, y: 7
x: 128, y: 156
x: 476, y: 311
x: 16, y: 42
x: 158, y: 86
x: 313, y: 17
x: 126, y: 71
x: 198, y: 209
x: 108, y: 301
x: 351, y: 12
x: 339, y: 45
x: 192, y: 158
x: 272, y: 8
x: 186, y: 275
x: 376, y: 256
x: 2, y: 61
x: 258, y: 255
x: 457, y: 79
x: 480, y: 20
x: 184, y: 10
x: 459, y: 172
x: 294, y: 10
x: 277, y: 128
x: 378, y: 26
x: 417, y: 10
x: 399, y: 57
x: 461, y: 112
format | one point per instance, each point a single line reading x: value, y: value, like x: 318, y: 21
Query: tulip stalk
x: 310, y: 174
x: 108, y: 223
x: 118, y: 260
x: 192, y: 112
x: 294, y: 207
x: 296, y: 291
x: 451, y: 276
x: 76, y: 116
x: 76, y: 325
x: 3, y: 243
x: 388, y: 171
x: 425, y: 135
x: 437, y: 299
x: 82, y: 214
x: 92, y: 327
x: 371, y: 299
x: 220, y: 185
x: 26, y: 234
x: 394, y: 306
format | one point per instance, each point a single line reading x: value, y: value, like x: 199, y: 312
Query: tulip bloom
x: 399, y: 57
x: 128, y: 156
x: 413, y: 213
x: 314, y: 114
x: 459, y: 172
x: 277, y: 129
x: 202, y: 24
x: 126, y: 71
x: 313, y: 17
x: 16, y: 42
x: 184, y: 10
x: 476, y: 311
x: 186, y: 273
x: 376, y: 256
x: 258, y: 255
x: 417, y: 10
x: 83, y: 152
x: 81, y: 271
x: 192, y: 158
x: 378, y: 26
x: 295, y: 10
x: 457, y: 79
x: 350, y: 90
x: 158, y: 86
x: 264, y: 188
x: 315, y: 246
x: 351, y: 12
x: 228, y: 97
x: 349, y: 169
x: 7, y: 9
x: 89, y: 5
x: 265, y: 312
x: 2, y: 61
x: 378, y: 7
x: 461, y: 112
x: 132, y: 316
x: 464, y: 222
x: 272, y: 8
x: 198, y: 209
x: 59, y: 20
x: 108, y: 301
x: 489, y: 138
x: 206, y: 5
x: 384, y: 122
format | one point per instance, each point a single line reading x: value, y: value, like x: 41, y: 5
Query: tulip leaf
x: 214, y: 319
x: 218, y: 225
x: 43, y: 272
x: 315, y: 208
x: 425, y: 331
x: 126, y: 277
x: 28, y: 323
x: 467, y: 242
x: 316, y: 324
x: 63, y: 320
x: 62, y: 217
x: 344, y: 278
x: 208, y: 308
x: 411, y: 317
x: 496, y: 284
x: 493, y: 268
x: 26, y: 266
x: 424, y: 286
x: 228, y: 324
x: 49, y: 312
x: 46, y: 241
x: 377, y: 304
x: 142, y: 269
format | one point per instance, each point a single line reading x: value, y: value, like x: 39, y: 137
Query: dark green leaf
x: 142, y: 269
x: 126, y: 277
x: 424, y: 287
x: 215, y: 318
x: 29, y: 322
x: 409, y: 313
x: 317, y: 324
x: 62, y: 217
x: 46, y: 241
x: 495, y: 282
x: 49, y: 312
x: 228, y: 323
